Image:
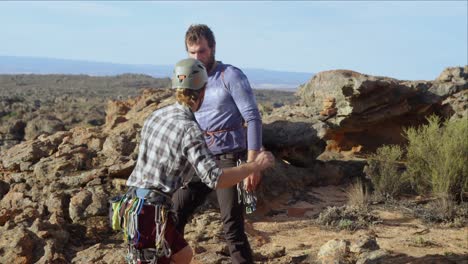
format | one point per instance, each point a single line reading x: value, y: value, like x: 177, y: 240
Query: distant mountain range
x: 259, y: 78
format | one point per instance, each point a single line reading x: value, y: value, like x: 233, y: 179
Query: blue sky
x: 405, y: 40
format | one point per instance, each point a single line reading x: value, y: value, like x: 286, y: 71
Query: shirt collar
x: 184, y: 109
x: 215, y: 68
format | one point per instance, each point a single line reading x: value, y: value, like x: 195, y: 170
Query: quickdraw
x: 125, y: 211
x: 248, y: 198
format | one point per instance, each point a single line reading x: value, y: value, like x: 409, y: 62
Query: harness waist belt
x: 230, y: 156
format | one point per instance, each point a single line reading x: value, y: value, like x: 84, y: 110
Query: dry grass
x: 358, y: 195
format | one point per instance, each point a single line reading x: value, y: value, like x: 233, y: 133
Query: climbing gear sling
x: 142, y: 216
x: 248, y: 198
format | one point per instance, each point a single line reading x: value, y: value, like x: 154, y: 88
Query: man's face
x: 202, y: 52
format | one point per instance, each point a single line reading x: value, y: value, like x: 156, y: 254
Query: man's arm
x: 252, y: 181
x: 244, y: 99
x: 196, y: 151
x: 231, y: 176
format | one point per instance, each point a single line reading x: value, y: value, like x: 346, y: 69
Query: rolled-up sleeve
x: 198, y: 154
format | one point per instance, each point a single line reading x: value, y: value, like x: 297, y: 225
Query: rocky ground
x: 54, y: 189
x: 288, y: 233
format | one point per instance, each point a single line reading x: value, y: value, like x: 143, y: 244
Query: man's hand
x: 264, y: 160
x: 252, y: 181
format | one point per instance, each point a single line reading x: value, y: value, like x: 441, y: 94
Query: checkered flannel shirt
x: 171, y: 151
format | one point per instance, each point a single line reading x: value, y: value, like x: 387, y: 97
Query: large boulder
x: 365, y: 112
x: 297, y: 142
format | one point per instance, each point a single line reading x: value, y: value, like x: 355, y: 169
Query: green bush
x: 437, y: 156
x: 384, y: 171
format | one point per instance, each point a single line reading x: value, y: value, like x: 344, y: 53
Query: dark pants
x: 187, y: 199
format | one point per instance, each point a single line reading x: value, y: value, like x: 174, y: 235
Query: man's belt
x: 230, y: 156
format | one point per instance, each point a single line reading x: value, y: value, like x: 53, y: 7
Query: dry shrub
x: 358, y: 195
x: 346, y: 217
x: 443, y: 210
x: 385, y: 171
x: 437, y: 156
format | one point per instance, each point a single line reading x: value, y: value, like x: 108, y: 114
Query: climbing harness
x: 212, y: 134
x: 130, y: 214
x: 248, y: 198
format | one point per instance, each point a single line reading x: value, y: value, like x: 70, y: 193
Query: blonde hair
x: 187, y: 97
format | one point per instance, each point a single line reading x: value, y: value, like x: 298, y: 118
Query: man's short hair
x: 196, y: 32
x: 187, y: 96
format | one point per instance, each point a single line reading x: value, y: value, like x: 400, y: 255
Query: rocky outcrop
x: 54, y: 188
x: 365, y: 112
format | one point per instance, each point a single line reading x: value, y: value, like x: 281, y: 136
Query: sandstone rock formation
x: 361, y: 112
x: 54, y: 188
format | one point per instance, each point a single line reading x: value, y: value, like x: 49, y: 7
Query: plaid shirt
x: 172, y: 150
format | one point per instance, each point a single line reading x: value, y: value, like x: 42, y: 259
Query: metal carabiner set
x: 243, y: 196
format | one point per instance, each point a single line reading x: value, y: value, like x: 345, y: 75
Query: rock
x: 371, y: 110
x: 101, y: 253
x: 452, y: 80
x: 456, y: 106
x: 43, y: 124
x: 334, y: 251
x: 197, y: 249
x: 82, y: 179
x: 88, y: 203
x: 118, y: 145
x: 51, y: 255
x: 122, y: 170
x: 50, y: 169
x: 71, y: 160
x: 78, y: 205
x: 214, y: 258
x: 15, y: 200
x: 7, y: 215
x: 55, y: 203
x: 31, y: 151
x: 92, y: 138
x: 298, y: 142
x: 99, y: 203
x: 372, y: 257
x: 364, y: 244
x: 335, y: 172
x: 4, y: 188
x: 18, y: 245
x: 54, y: 188
x: 16, y: 130
x: 115, y: 112
x: 272, y: 251
x: 283, y: 177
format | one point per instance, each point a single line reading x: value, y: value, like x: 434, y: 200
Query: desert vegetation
x: 433, y: 166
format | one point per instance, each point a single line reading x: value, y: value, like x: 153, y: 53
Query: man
x: 228, y: 107
x: 171, y: 151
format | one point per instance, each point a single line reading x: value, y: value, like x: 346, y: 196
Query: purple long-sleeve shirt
x: 229, y: 103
